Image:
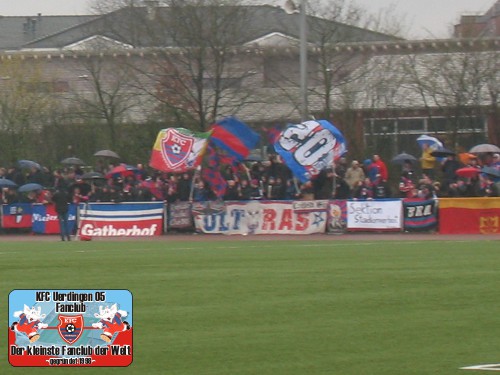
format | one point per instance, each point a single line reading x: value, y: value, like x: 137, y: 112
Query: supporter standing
x: 449, y: 167
x: 427, y: 161
x: 184, y: 187
x: 381, y: 189
x: 384, y: 173
x: 363, y: 191
x: 245, y: 190
x: 371, y: 170
x: 255, y: 190
x: 232, y: 192
x: 341, y: 167
x: 354, y: 174
x: 61, y: 200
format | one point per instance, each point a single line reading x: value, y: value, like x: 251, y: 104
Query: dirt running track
x: 311, y: 237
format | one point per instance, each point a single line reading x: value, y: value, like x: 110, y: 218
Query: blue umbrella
x: 6, y: 183
x: 433, y: 142
x: 28, y: 164
x: 30, y: 187
x: 489, y: 171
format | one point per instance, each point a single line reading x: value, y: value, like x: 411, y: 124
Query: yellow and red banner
x: 469, y: 215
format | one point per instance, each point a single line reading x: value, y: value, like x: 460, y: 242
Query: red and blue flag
x: 235, y: 137
x: 211, y: 172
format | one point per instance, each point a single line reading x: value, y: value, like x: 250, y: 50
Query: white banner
x: 270, y: 217
x: 375, y: 214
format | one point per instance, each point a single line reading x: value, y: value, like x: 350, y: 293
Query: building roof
x: 58, y: 32
x: 16, y: 31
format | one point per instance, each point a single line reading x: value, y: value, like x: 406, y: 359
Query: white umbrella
x: 485, y: 147
x: 107, y: 154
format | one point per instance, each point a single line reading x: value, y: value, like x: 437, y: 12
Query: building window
x: 395, y: 135
x: 225, y: 83
x: 46, y: 87
x: 60, y: 86
x: 411, y: 125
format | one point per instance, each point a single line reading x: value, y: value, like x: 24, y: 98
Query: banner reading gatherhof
x: 83, y: 328
x: 380, y: 215
x: 269, y: 217
x: 121, y: 219
x: 469, y: 215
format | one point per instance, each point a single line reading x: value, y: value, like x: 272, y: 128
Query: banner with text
x: 271, y: 217
x: 375, y: 215
x: 70, y: 328
x: 121, y: 219
x: 419, y: 214
x: 46, y: 221
x: 179, y: 215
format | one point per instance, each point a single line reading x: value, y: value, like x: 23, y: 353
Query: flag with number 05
x: 310, y: 147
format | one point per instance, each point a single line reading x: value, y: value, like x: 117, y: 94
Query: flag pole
x: 304, y: 113
x: 195, y: 174
x: 334, y: 181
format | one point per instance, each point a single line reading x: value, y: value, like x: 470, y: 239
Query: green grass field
x: 282, y: 307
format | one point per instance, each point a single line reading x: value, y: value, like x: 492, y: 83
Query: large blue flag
x: 310, y: 147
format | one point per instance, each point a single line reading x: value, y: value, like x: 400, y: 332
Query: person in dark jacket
x: 61, y: 200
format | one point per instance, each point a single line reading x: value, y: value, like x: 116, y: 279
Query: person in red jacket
x: 384, y: 174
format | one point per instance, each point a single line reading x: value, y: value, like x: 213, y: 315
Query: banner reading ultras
x: 84, y: 328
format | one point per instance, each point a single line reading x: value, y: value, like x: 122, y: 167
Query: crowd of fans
x: 263, y: 180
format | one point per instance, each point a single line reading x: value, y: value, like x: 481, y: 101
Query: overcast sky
x: 425, y: 18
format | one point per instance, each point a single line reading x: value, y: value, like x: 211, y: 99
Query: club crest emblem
x: 176, y: 147
x: 70, y: 327
x: 489, y: 224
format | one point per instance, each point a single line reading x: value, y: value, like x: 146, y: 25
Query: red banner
x: 469, y: 215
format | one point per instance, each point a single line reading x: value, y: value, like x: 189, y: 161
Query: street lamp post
x: 291, y: 8
x: 304, y: 112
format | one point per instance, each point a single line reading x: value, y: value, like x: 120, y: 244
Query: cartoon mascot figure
x: 29, y: 322
x: 110, y: 321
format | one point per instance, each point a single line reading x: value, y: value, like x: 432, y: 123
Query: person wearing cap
x: 495, y: 162
x: 354, y: 174
x: 371, y: 170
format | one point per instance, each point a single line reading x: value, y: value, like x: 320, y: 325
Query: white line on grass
x: 492, y: 367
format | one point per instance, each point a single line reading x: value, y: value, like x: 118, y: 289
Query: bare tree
x: 340, y: 69
x: 456, y: 85
x: 24, y: 104
x: 491, y: 63
x: 191, y: 65
x: 106, y: 92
